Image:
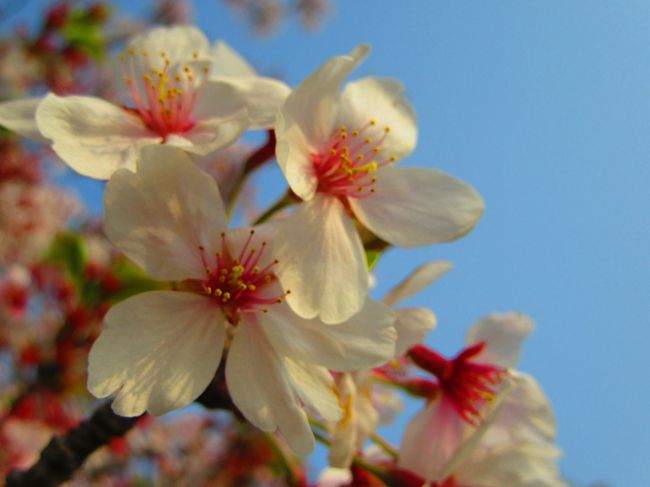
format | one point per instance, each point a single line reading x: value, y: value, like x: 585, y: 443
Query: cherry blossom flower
x: 178, y: 95
x: 475, y: 390
x: 337, y: 151
x: 159, y: 350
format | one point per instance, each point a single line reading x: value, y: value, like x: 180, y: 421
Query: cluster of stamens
x: 468, y: 384
x: 237, y: 282
x: 347, y: 167
x: 163, y: 100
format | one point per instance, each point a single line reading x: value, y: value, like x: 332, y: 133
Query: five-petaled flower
x: 159, y: 350
x: 337, y: 151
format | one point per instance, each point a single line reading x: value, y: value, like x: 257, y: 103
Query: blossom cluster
x: 278, y: 312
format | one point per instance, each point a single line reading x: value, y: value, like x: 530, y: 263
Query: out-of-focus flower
x: 14, y: 291
x: 337, y: 152
x: 473, y: 390
x: 30, y: 216
x: 159, y: 350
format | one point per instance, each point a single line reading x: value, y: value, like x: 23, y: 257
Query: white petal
x: 263, y: 97
x: 180, y: 43
x: 415, y: 206
x: 527, y: 412
x: 94, y: 137
x: 366, y: 340
x: 315, y: 387
x: 161, y: 215
x: 431, y: 439
x: 503, y: 334
x: 312, y: 104
x: 344, y: 434
x: 158, y: 350
x: 307, y: 118
x: 382, y: 100
x: 227, y: 62
x: 417, y: 280
x: 322, y: 261
x: 20, y: 116
x: 334, y: 477
x: 261, y: 388
x: 412, y: 325
x: 293, y: 153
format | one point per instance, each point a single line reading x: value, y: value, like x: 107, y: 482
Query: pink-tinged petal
x: 20, y: 116
x: 94, y: 137
x: 416, y: 281
x: 415, y: 206
x: 162, y: 215
x: 382, y: 100
x: 503, y: 334
x: 344, y: 441
x: 365, y: 340
x: 322, y: 261
x: 412, y: 325
x: 158, y: 351
x: 315, y: 387
x: 261, y: 387
x: 307, y: 118
x: 431, y: 439
x: 227, y: 62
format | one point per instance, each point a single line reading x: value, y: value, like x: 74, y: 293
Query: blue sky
x: 543, y: 106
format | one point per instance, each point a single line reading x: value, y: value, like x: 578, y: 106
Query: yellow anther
x: 256, y: 270
x: 186, y: 68
x: 147, y: 79
x: 163, y: 54
x: 373, y: 122
x: 206, y: 70
x: 372, y: 190
x: 222, y: 278
x: 387, y: 129
x: 393, y: 158
x: 375, y: 150
x: 208, y: 290
x: 122, y: 57
x: 251, y: 287
x: 333, y: 151
x: 360, y: 189
x: 355, y: 133
x: 359, y: 157
x: 207, y: 270
x: 195, y: 54
x: 373, y: 180
x: 131, y: 51
x: 218, y: 292
x: 267, y: 278
x: 368, y: 140
x: 144, y: 53
x: 265, y: 310
x: 288, y: 291
x: 279, y: 300
x: 178, y: 78
x: 226, y: 295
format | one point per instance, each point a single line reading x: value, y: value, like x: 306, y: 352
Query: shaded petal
x: 412, y: 325
x: 306, y: 120
x: 417, y: 280
x: 161, y: 215
x: 94, y: 137
x: 158, y: 350
x: 261, y: 387
x: 228, y: 62
x: 263, y: 97
x: 20, y: 116
x: 415, y: 206
x: 322, y: 261
x: 366, y: 340
x: 384, y: 101
x: 504, y: 334
x: 315, y: 387
x: 431, y: 439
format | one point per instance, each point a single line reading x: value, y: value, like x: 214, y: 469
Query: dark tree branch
x: 64, y: 454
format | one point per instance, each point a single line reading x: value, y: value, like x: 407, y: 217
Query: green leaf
x: 372, y: 257
x: 69, y: 250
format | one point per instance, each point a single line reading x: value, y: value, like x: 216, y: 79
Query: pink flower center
x: 237, y: 282
x: 469, y: 385
x: 163, y: 99
x: 345, y: 168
